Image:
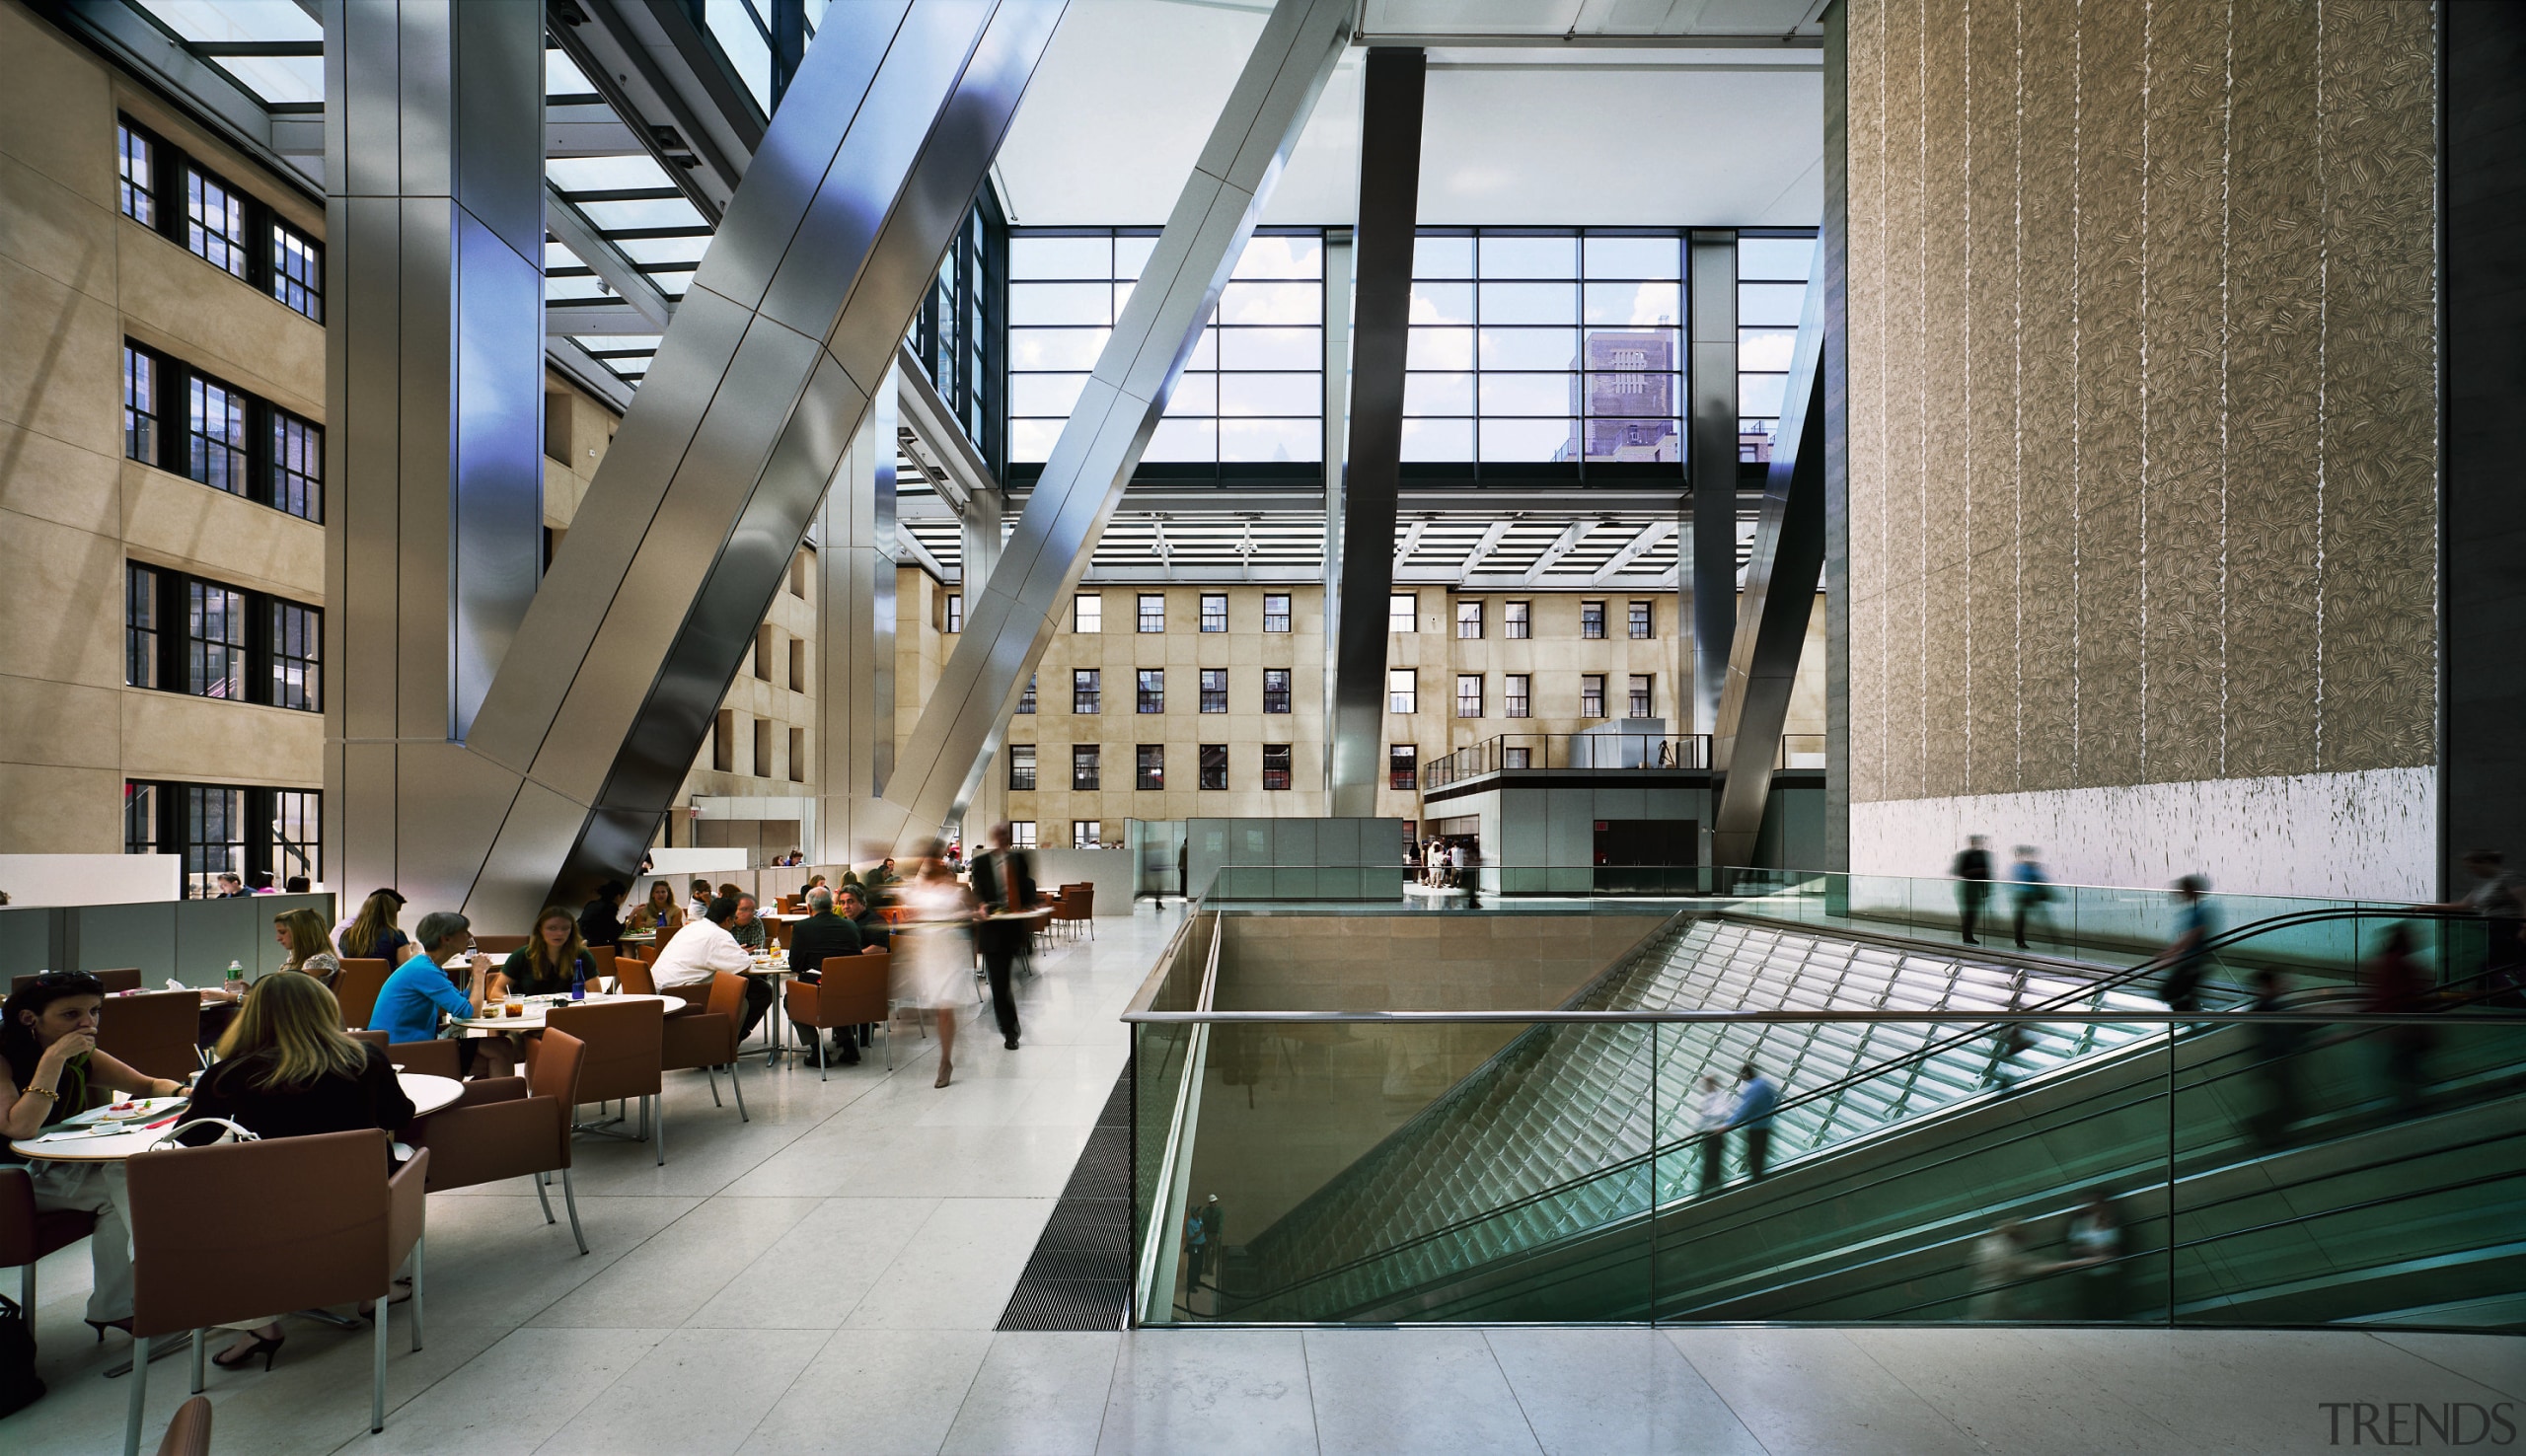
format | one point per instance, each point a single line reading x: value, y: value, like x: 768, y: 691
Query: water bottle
x: 237, y: 978
x: 579, y: 980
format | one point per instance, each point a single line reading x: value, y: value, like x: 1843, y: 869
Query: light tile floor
x: 826, y: 1279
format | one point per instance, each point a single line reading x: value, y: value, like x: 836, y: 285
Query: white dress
x: 933, y: 957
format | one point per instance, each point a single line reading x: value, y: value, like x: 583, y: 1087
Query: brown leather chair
x: 783, y: 931
x: 626, y: 1052
x: 357, y: 987
x: 848, y: 990
x: 188, y: 1435
x: 121, y: 980
x: 27, y: 1235
x: 513, y: 1127
x: 350, y: 1230
x: 707, y: 1038
x: 604, y: 955
x: 156, y: 1033
x: 632, y: 976
x: 436, y: 1059
x: 500, y: 945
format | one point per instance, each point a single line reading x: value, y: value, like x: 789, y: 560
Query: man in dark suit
x: 1003, y: 884
x: 821, y: 934
x: 853, y: 905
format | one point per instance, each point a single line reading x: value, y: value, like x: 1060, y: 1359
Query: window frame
x: 1149, y: 613
x: 159, y: 819
x: 1282, y: 616
x: 1087, y: 614
x: 268, y: 454
x: 1148, y: 690
x: 1517, y: 620
x: 279, y: 260
x: 955, y: 614
x: 1516, y: 694
x: 1210, y: 600
x: 1086, y: 690
x: 1285, y: 770
x: 1640, y: 620
x: 1592, y: 694
x: 1212, y: 765
x: 131, y: 139
x: 1469, y: 615
x: 1026, y: 698
x: 1591, y: 621
x: 1022, y: 767
x: 1410, y: 604
x: 1213, y: 690
x: 1149, y: 768
x: 1640, y: 695
x: 1021, y: 833
x: 1402, y: 690
x: 1279, y: 695
x: 236, y: 250
x: 1470, y: 695
x: 1087, y: 834
x: 1087, y: 768
x: 1403, y: 766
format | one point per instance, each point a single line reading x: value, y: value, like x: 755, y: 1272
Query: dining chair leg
x: 542, y: 1197
x: 421, y: 1248
x: 139, y: 1395
x: 658, y: 1139
x: 571, y: 1197
x: 715, y: 1087
x: 26, y: 1290
x: 739, y: 1088
x: 201, y: 1339
x: 820, y: 1055
x: 377, y: 1366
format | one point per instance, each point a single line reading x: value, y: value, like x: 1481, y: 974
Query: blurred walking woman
x: 934, y: 964
x: 288, y: 1070
x: 551, y: 958
x: 48, y: 1043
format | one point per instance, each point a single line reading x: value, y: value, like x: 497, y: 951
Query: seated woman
x: 311, y: 950
x: 659, y: 912
x: 551, y: 958
x: 50, y: 1069
x: 287, y: 1070
x: 373, y: 936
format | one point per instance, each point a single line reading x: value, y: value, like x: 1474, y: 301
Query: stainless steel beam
x: 1710, y: 565
x: 1338, y: 273
x: 1011, y: 619
x: 647, y: 61
x: 587, y: 371
x: 856, y: 535
x: 1780, y: 597
x: 933, y: 421
x: 1393, y: 88
x: 574, y: 231
x: 1569, y: 536
x: 762, y: 380
x: 1632, y: 551
x: 596, y: 315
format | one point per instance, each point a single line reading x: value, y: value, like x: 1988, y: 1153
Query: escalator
x: 1535, y: 1189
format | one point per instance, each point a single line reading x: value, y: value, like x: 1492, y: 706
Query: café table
x: 774, y: 966
x: 80, y: 1138
x: 529, y: 1017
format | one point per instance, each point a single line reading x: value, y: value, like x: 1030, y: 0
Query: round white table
x: 77, y: 1146
x: 532, y: 1018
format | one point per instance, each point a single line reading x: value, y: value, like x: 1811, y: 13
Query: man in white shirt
x: 699, y: 951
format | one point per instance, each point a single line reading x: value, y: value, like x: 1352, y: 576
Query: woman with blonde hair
x: 551, y: 960
x: 373, y: 936
x: 311, y: 950
x: 286, y: 1068
x: 658, y: 913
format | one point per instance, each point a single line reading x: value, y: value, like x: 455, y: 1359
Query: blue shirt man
x: 1757, y: 1098
x: 409, y: 1005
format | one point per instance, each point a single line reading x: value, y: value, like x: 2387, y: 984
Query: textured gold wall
x: 2142, y: 392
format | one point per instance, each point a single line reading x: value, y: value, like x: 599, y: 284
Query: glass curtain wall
x: 1771, y: 289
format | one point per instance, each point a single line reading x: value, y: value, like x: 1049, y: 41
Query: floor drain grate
x: 1080, y: 1274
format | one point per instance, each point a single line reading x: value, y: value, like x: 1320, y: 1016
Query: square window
x: 1512, y: 696
x: 1086, y: 690
x: 215, y: 641
x: 1641, y: 695
x: 1468, y: 695
x: 1468, y: 621
x: 215, y: 435
x: 1214, y: 766
x: 1153, y: 613
x: 1591, y: 695
x: 1152, y: 691
x: 1213, y: 613
x: 1276, y: 766
x: 1513, y: 621
x: 955, y: 613
x: 1214, y: 689
x: 1087, y: 614
x: 1083, y: 835
x: 1516, y: 758
x: 1400, y: 611
x: 1021, y: 833
x: 1402, y: 765
x: 1026, y: 699
x: 137, y: 162
x: 215, y: 222
x: 298, y: 466
x: 1084, y: 766
x: 298, y: 270
x: 1402, y: 690
x: 1022, y: 767
x: 1148, y: 766
x: 1276, y: 690
x: 1640, y: 621
x: 1591, y: 620
x: 1275, y: 612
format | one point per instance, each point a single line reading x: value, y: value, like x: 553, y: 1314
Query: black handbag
x: 19, y: 1386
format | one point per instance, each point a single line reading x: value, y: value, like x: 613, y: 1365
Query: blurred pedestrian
x: 2500, y: 898
x: 2013, y: 1043
x: 1757, y: 1099
x: 1201, y: 1229
x: 2185, y: 960
x: 2032, y: 889
x: 1718, y: 1111
x: 2394, y: 986
x: 2275, y: 1063
x: 2097, y: 1246
x: 1973, y: 871
x: 2002, y: 1266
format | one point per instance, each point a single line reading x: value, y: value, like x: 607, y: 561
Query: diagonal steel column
x: 1708, y: 564
x: 1780, y: 597
x: 1382, y: 310
x: 1009, y: 619
x: 762, y: 381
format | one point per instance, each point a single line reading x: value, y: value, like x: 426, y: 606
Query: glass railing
x: 2083, y: 1155
x: 1594, y: 751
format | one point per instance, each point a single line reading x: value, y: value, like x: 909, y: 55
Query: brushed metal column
x: 760, y: 385
x: 1009, y: 621
x: 1708, y: 561
x: 434, y: 391
x: 856, y: 633
x: 1337, y: 439
x: 1380, y: 317
x: 1780, y: 597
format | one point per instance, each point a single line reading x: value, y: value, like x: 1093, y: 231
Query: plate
x: 137, y: 1112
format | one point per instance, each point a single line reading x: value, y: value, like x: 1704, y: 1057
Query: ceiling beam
x: 653, y: 68
x: 588, y: 372
x: 927, y: 413
x: 1492, y: 536
x: 1631, y: 551
x: 565, y: 316
x: 572, y: 229
x: 1411, y: 540
x: 1571, y: 535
